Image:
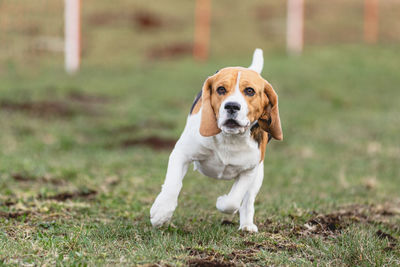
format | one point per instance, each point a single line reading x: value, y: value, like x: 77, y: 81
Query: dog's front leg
x: 230, y: 203
x: 247, y: 207
x: 166, y: 202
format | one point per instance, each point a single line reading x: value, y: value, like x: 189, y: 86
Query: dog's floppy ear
x: 269, y: 120
x: 208, y: 124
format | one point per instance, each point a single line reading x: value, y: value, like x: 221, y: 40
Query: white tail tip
x: 258, y: 61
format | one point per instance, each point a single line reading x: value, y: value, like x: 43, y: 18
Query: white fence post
x: 72, y: 40
x: 294, y: 27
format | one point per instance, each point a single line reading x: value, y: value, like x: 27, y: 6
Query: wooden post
x: 72, y: 40
x: 202, y: 29
x: 371, y: 16
x: 294, y: 27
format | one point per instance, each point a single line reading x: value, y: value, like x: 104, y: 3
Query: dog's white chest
x: 228, y: 161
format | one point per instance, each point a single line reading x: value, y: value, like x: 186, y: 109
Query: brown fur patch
x: 224, y: 78
x: 208, y: 123
x: 255, y: 103
x: 261, y: 137
x: 270, y: 120
x: 257, y: 133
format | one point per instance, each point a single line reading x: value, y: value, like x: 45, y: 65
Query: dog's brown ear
x: 208, y: 124
x: 269, y: 120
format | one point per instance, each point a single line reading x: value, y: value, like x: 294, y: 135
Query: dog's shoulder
x: 196, y: 104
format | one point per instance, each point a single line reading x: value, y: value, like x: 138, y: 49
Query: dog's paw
x: 252, y: 228
x: 226, y: 205
x: 162, y: 210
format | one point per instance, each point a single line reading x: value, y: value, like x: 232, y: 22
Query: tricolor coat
x: 229, y: 126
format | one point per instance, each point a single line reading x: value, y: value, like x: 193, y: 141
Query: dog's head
x: 235, y: 97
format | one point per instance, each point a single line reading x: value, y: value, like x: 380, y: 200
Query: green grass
x: 330, y: 194
x: 340, y: 116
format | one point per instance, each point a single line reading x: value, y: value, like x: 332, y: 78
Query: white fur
x: 258, y: 61
x: 228, y: 155
x: 241, y: 118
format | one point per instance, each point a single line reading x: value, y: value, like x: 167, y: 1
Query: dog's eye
x: 221, y: 90
x: 249, y: 91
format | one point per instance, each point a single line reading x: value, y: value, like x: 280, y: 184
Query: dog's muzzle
x: 232, y: 108
x: 232, y: 120
x: 231, y: 123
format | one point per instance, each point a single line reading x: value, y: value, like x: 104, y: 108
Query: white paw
x: 162, y: 210
x: 226, y: 205
x: 252, y: 228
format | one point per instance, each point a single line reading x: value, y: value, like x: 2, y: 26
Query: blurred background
x: 133, y: 32
x: 103, y: 130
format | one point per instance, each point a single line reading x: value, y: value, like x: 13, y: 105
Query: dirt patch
x: 46, y: 108
x: 8, y: 203
x: 273, y: 243
x: 146, y: 20
x: 227, y: 222
x: 42, y: 108
x: 145, y: 124
x: 170, y: 51
x: 209, y: 263
x: 13, y: 215
x: 210, y: 257
x: 245, y: 255
x: 327, y: 224
x: 125, y: 129
x: 86, y: 98
x: 384, y: 235
x: 207, y: 257
x: 24, y: 178
x: 141, y: 19
x: 332, y: 223
x: 160, y: 264
x: 154, y: 142
x: 87, y: 194
x: 392, y: 241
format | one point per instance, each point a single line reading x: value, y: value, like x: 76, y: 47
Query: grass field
x: 82, y: 158
x: 76, y: 185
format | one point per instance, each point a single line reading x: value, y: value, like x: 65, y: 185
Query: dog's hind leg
x: 166, y: 202
x: 247, y: 208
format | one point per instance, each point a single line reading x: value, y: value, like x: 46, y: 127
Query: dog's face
x: 237, y: 98
x: 234, y: 98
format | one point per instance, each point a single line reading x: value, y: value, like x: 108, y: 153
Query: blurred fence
x: 119, y: 30
x: 30, y: 27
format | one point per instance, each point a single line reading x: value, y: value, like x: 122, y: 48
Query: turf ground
x: 78, y: 175
x: 83, y: 157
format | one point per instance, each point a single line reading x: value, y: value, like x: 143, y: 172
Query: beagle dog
x: 229, y: 126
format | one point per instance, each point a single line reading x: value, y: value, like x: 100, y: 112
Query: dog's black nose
x: 232, y: 107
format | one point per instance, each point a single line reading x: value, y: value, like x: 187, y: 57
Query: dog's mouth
x: 231, y: 123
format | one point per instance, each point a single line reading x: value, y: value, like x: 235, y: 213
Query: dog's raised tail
x: 258, y: 61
